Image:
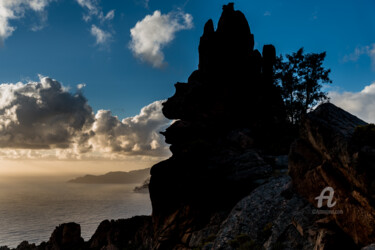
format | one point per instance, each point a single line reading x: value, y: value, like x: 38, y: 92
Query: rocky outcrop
x: 133, y: 233
x: 142, y: 188
x: 273, y: 216
x: 229, y: 117
x: 24, y: 245
x: 66, y: 236
x: 334, y: 152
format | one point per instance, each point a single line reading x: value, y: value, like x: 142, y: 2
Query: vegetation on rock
x: 300, y: 78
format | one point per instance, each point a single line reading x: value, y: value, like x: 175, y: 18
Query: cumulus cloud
x: 361, y: 104
x: 15, y: 9
x: 368, y: 50
x: 101, y: 36
x: 41, y: 115
x: 93, y: 10
x: 42, y: 120
x: 135, y: 135
x: 155, y: 31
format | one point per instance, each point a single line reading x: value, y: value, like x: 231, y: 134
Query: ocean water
x: 31, y: 207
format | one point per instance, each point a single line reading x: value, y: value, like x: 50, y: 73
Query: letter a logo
x: 328, y: 197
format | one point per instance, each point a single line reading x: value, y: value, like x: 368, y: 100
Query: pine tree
x: 300, y: 78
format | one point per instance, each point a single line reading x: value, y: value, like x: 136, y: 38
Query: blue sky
x: 64, y: 48
x: 125, y: 56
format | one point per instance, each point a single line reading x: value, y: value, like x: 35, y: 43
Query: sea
x: 31, y: 207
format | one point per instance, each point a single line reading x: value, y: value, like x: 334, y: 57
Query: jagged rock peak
x: 208, y: 28
x: 233, y: 22
x: 230, y: 45
x: 269, y: 59
x: 66, y: 236
x: 232, y: 78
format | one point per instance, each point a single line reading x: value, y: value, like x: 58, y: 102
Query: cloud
x: 267, y: 13
x: 15, y: 9
x: 94, y: 11
x: 101, y: 36
x: 43, y: 120
x: 155, y: 31
x: 110, y: 15
x: 92, y: 8
x: 81, y: 86
x: 138, y: 135
x: 42, y: 115
x: 361, y: 104
x: 368, y: 50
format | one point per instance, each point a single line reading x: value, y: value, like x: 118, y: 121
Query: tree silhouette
x: 300, y: 78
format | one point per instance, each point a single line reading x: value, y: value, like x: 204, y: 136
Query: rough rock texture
x: 332, y: 153
x: 274, y: 216
x: 229, y: 117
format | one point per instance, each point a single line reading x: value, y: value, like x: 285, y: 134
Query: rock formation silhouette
x: 227, y: 116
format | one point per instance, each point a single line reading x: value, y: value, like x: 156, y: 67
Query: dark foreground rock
x: 334, y: 152
x: 133, y: 233
x: 65, y: 237
x: 273, y: 216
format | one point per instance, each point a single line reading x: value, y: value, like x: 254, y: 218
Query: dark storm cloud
x: 45, y: 115
x: 42, y: 115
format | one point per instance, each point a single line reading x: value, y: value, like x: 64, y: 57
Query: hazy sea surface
x: 31, y: 207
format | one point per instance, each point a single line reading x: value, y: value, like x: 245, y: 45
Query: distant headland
x: 118, y: 177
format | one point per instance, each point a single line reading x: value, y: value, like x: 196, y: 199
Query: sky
x: 82, y: 81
